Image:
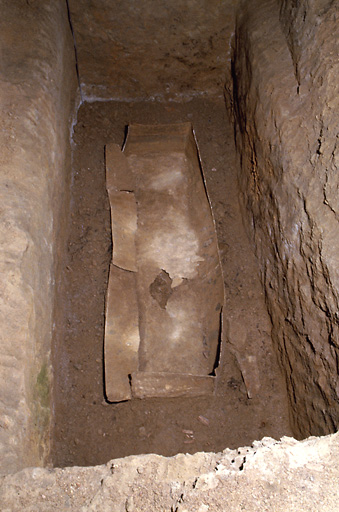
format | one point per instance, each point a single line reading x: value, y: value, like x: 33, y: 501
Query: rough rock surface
x: 285, y: 101
x: 138, y: 50
x: 268, y: 476
x: 36, y: 87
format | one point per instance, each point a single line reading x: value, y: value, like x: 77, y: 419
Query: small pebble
x: 142, y: 432
x: 204, y: 421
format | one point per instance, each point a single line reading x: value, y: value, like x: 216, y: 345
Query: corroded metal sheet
x: 122, y: 312
x: 124, y: 227
x: 147, y: 384
x: 121, y: 334
x: 120, y: 186
x: 118, y: 173
x: 175, y: 259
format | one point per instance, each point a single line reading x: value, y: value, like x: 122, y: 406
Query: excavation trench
x: 250, y: 399
x: 279, y: 63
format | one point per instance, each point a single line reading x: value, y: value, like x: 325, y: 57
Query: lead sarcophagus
x: 165, y: 290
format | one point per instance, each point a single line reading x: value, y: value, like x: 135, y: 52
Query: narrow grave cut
x: 249, y: 400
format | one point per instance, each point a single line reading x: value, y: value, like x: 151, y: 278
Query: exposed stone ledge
x: 268, y: 476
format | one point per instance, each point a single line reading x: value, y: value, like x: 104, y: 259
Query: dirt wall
x: 285, y: 71
x: 37, y: 87
x: 150, y: 49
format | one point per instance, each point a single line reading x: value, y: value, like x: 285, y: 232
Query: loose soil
x: 88, y: 430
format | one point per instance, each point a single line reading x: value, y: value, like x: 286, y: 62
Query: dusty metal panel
x: 122, y: 312
x: 174, y: 254
x: 148, y: 384
x: 124, y: 227
x: 120, y: 186
x: 121, y: 334
x: 118, y: 173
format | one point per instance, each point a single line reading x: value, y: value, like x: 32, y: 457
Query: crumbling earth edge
x: 270, y: 475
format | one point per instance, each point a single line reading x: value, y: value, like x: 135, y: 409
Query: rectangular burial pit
x: 88, y: 427
x: 165, y: 290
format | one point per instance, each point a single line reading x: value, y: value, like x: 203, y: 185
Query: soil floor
x: 88, y: 430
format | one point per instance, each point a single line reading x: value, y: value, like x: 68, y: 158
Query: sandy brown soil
x: 87, y: 429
